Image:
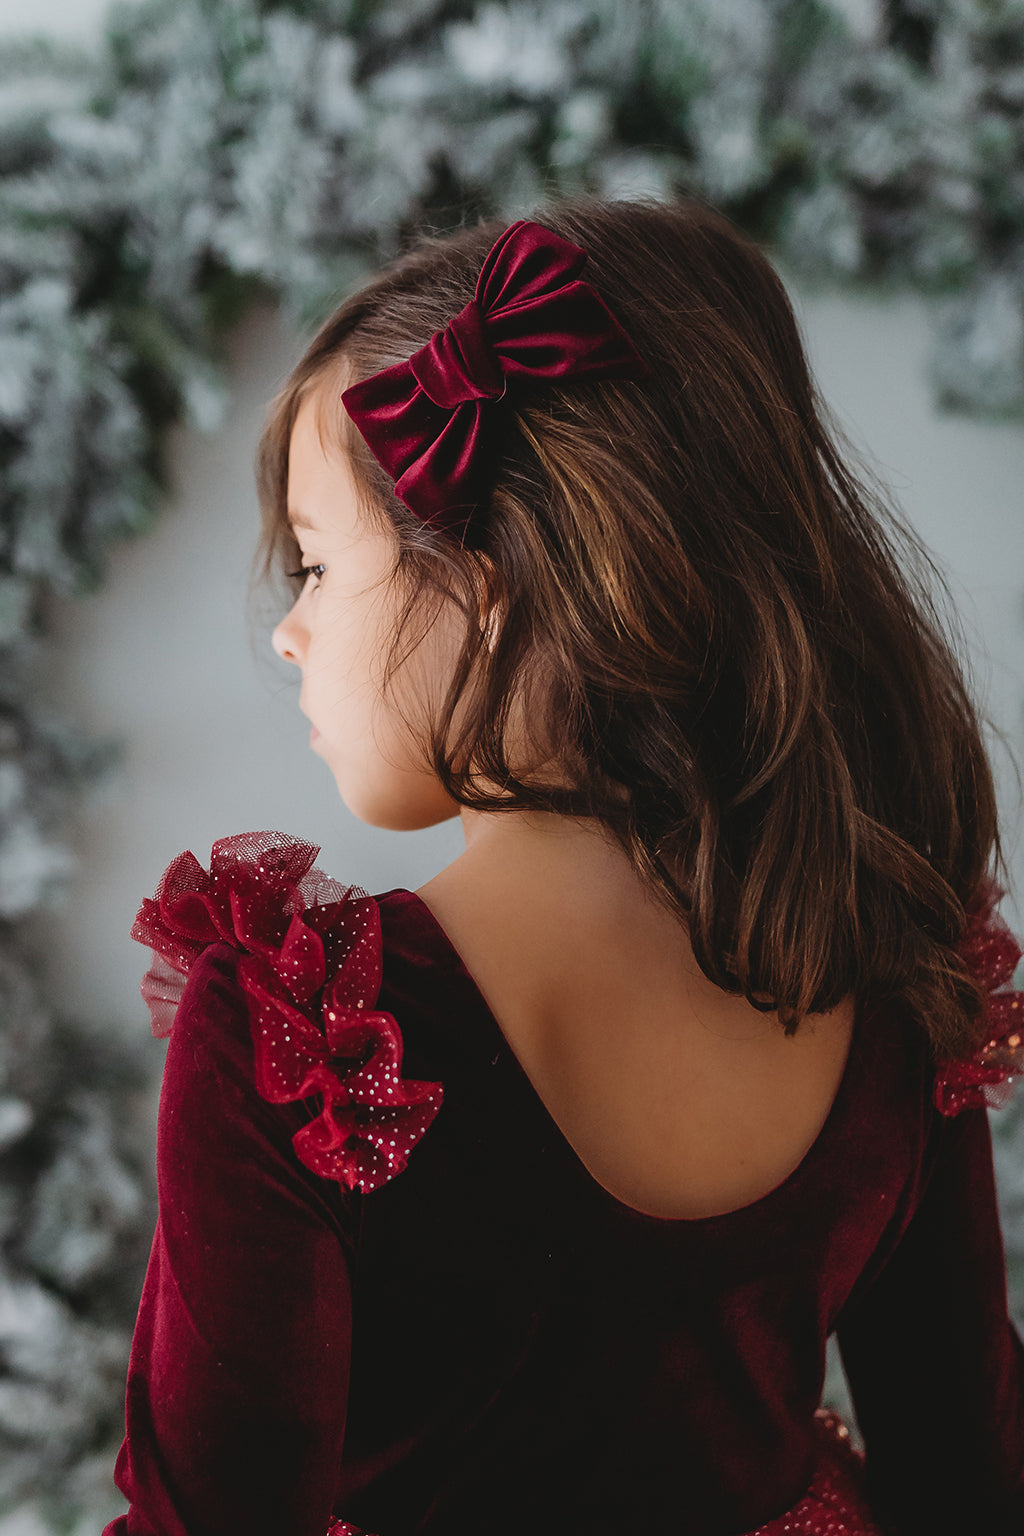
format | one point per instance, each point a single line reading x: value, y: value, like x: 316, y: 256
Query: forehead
x: 321, y: 487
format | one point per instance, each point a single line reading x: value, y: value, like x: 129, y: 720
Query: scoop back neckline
x: 753, y: 1209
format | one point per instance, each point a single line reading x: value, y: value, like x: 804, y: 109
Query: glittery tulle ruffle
x: 834, y: 1504
x: 311, y: 971
x: 988, y: 1078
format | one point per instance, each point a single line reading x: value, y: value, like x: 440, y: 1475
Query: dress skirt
x: 835, y: 1504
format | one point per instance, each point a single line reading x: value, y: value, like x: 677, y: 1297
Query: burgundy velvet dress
x: 386, y: 1298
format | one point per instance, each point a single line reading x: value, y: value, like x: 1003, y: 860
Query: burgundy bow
x: 428, y: 420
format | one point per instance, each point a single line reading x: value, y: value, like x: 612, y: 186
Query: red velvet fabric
x: 488, y: 1342
x: 431, y: 421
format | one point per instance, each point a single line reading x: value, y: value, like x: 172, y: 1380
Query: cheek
x: 376, y: 746
x: 344, y: 664
x: 338, y: 634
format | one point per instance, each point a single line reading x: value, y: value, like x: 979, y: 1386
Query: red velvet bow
x: 428, y: 420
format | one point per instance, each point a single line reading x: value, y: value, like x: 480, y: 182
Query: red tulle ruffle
x: 311, y: 971
x: 987, y: 1079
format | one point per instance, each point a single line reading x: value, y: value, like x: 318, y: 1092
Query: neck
x: 563, y: 892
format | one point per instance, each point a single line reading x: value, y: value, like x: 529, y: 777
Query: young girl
x: 527, y: 1201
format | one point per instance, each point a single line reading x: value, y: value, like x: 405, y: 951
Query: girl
x: 528, y: 1200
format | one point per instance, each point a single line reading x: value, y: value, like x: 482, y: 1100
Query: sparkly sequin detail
x: 311, y: 972
x: 834, y: 1505
x: 992, y: 952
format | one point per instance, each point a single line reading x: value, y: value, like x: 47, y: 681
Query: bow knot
x: 430, y: 420
x: 457, y: 364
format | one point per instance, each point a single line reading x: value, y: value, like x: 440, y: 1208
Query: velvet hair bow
x: 430, y: 421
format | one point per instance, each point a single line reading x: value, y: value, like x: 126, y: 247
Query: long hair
x: 703, y: 617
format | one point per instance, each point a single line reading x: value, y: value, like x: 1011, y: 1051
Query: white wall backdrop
x: 164, y: 658
x: 216, y: 745
x: 161, y: 657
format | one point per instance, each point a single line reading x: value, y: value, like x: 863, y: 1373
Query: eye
x: 306, y: 570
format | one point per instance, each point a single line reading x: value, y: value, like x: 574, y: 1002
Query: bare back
x: 680, y: 1107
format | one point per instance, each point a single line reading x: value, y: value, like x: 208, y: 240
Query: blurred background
x: 185, y: 189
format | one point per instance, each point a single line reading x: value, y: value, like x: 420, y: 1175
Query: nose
x: 289, y: 640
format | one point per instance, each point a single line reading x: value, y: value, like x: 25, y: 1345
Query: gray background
x: 162, y: 656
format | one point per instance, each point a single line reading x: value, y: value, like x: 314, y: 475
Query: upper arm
x: 238, y: 1378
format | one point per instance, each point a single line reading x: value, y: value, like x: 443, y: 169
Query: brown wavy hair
x: 703, y: 615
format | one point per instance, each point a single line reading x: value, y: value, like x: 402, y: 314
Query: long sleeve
x: 239, y: 1370
x: 934, y: 1362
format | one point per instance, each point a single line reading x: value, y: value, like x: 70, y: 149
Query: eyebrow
x: 296, y: 520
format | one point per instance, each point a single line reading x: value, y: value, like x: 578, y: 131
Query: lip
x: 314, y: 734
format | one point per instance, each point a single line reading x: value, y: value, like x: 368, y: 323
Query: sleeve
x: 238, y: 1375
x: 935, y: 1364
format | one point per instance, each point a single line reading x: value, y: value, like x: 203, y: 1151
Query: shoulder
x: 211, y: 1027
x: 266, y: 973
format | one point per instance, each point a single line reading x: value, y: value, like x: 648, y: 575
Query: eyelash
x: 305, y: 570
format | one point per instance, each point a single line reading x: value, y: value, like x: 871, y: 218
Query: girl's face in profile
x: 339, y: 631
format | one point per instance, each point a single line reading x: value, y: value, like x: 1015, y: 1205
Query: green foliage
x: 214, y: 151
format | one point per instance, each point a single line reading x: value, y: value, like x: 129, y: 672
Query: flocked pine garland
x: 209, y: 149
